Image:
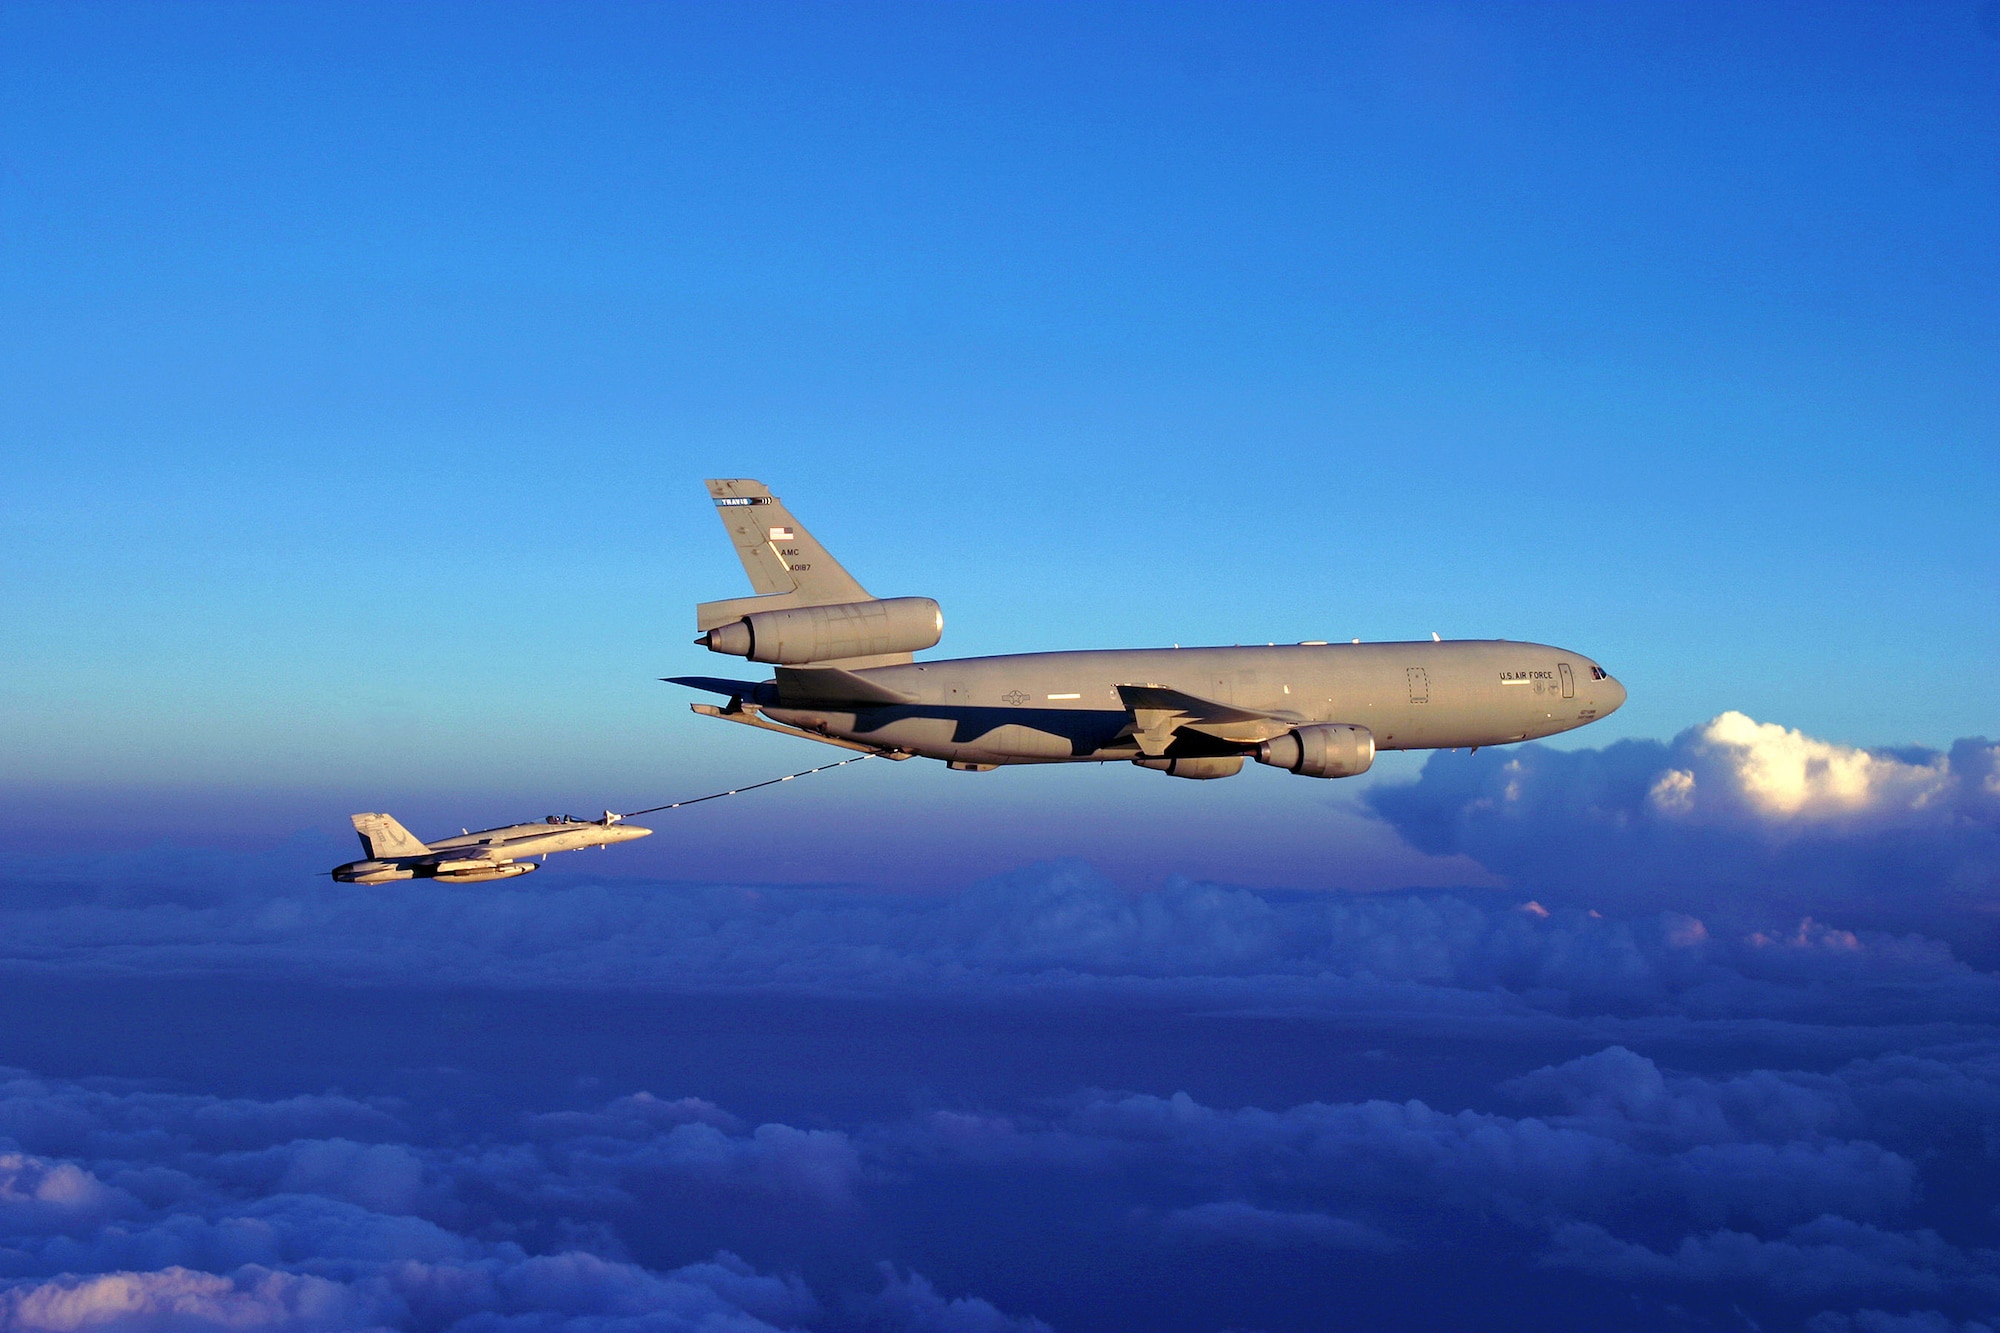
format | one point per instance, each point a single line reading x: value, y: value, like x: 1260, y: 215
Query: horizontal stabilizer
x: 750, y: 717
x: 734, y: 689
x: 805, y: 686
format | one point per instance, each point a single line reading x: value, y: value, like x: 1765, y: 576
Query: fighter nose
x: 626, y: 832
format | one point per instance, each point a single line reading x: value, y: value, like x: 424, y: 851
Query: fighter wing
x: 1159, y: 711
x: 448, y: 854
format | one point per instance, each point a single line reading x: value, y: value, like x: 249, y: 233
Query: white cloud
x: 1786, y: 774
x: 1674, y: 792
x: 41, y: 1196
x: 177, y: 1300
x: 1735, y: 819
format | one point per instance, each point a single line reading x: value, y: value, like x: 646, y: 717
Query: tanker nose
x: 1605, y: 692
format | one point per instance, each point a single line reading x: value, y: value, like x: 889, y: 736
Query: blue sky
x: 359, y: 368
x: 362, y: 363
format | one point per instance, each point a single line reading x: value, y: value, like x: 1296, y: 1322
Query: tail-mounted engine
x: 1321, y: 750
x: 803, y: 634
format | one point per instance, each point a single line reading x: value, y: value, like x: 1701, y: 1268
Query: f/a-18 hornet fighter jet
x: 474, y: 858
x: 845, y: 675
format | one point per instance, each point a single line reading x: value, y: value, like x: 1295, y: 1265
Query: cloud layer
x: 1719, y: 1050
x: 1794, y: 1193
x: 1736, y: 818
x: 180, y: 1211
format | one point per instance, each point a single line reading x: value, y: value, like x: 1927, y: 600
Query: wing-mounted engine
x: 1165, y: 721
x: 1321, y: 750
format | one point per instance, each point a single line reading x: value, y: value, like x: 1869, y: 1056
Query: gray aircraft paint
x: 1066, y: 707
x: 473, y: 857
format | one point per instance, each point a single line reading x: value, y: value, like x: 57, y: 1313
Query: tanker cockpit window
x: 1599, y: 673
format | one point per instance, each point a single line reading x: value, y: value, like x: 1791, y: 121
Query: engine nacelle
x: 1321, y: 750
x: 1198, y: 767
x: 831, y: 633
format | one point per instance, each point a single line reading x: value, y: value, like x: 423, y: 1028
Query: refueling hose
x: 738, y: 791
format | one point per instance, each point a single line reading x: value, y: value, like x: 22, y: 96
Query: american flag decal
x: 782, y: 534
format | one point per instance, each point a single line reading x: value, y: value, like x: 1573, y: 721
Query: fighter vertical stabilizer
x: 382, y: 837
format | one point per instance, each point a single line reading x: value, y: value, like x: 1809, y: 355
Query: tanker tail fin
x: 784, y: 561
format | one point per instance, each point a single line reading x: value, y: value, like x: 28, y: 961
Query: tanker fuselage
x: 1066, y: 707
x: 846, y: 673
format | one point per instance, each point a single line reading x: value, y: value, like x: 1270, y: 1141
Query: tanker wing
x: 1159, y: 711
x: 804, y: 686
x: 799, y: 687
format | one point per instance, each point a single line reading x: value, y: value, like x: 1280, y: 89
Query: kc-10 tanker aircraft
x: 845, y: 675
x: 474, y: 857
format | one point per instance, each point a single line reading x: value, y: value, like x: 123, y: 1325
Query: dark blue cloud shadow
x: 269, y: 1101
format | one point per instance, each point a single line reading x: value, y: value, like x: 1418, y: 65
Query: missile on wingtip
x: 392, y: 853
